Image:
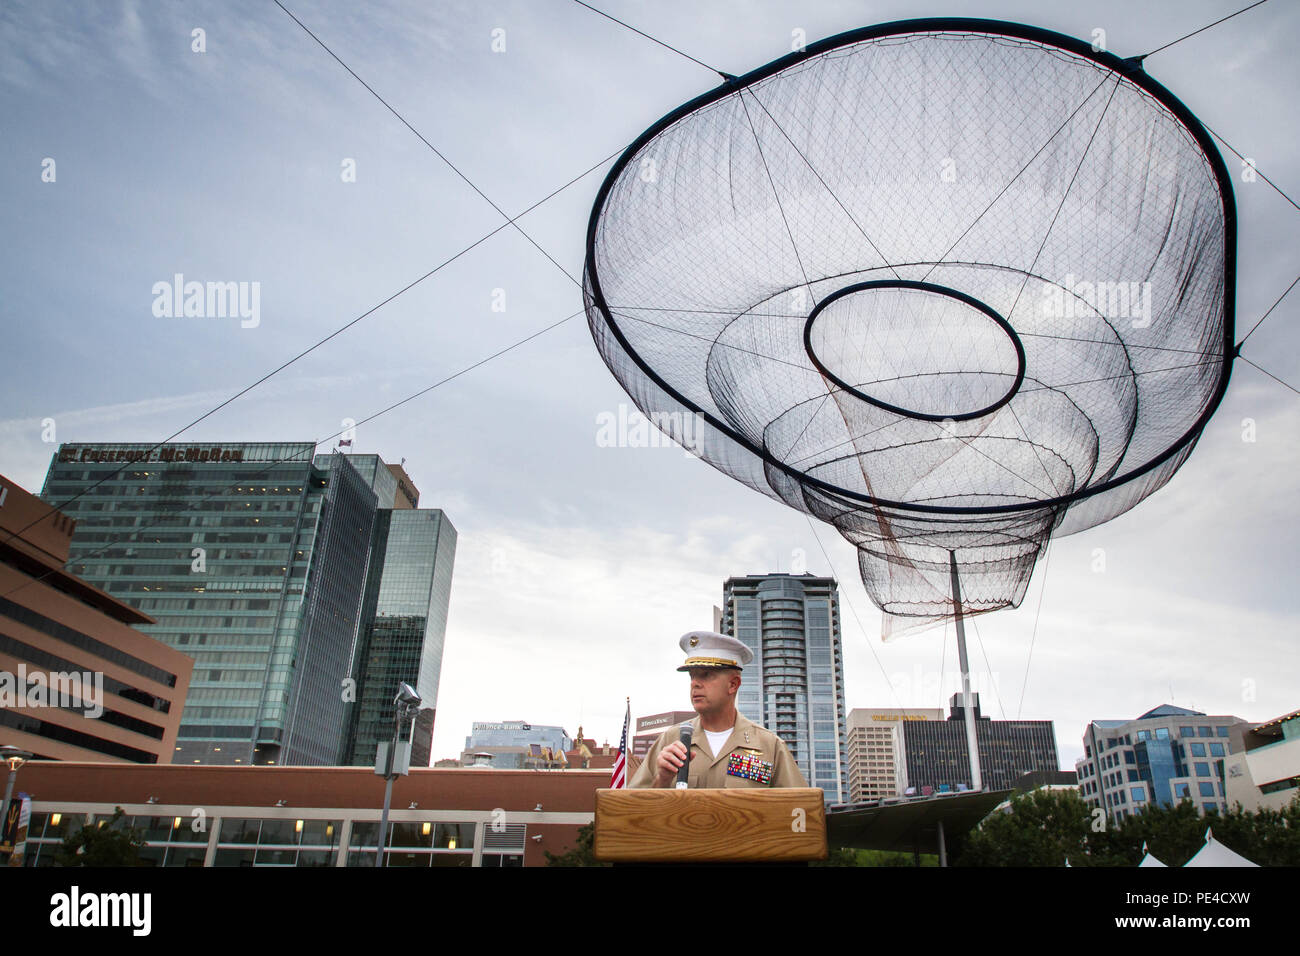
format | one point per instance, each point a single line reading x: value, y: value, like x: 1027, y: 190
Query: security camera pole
x: 405, y: 706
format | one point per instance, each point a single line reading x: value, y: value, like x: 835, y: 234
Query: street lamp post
x: 405, y: 705
x: 15, y: 757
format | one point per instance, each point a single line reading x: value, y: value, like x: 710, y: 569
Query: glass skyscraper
x: 253, y: 559
x: 403, y: 624
x: 795, y: 685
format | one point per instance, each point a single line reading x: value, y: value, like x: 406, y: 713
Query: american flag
x: 618, y: 781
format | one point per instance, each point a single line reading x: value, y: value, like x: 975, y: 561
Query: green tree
x: 1175, y: 834
x: 1267, y: 837
x: 1172, y: 834
x: 1045, y: 828
x: 841, y: 856
x: 102, y: 845
x: 1039, y: 828
x: 848, y: 856
x: 582, y: 853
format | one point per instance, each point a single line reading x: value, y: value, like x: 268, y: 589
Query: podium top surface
x: 716, y: 825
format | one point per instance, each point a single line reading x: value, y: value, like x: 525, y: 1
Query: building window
x: 1198, y: 750
x: 411, y: 843
x: 1207, y: 789
x: 1221, y: 731
x: 1162, y: 733
x: 1186, y: 731
x: 276, y: 842
x: 1216, y: 750
x: 1202, y: 770
x: 1139, y: 794
x: 1290, y: 783
x: 1206, y: 731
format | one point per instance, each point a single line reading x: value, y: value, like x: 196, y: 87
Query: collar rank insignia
x: 750, y: 765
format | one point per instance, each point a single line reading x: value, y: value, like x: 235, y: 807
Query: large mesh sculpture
x: 951, y: 286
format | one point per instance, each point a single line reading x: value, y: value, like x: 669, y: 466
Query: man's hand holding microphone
x: 674, y: 761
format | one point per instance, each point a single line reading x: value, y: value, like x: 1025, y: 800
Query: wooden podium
x: 746, y: 825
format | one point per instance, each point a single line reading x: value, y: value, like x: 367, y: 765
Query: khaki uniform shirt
x: 709, y: 770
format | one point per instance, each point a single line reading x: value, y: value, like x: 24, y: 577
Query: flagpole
x: 625, y: 751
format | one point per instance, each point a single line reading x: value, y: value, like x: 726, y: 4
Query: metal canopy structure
x: 950, y: 285
x: 918, y: 825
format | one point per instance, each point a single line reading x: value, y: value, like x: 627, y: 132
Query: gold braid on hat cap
x: 710, y: 662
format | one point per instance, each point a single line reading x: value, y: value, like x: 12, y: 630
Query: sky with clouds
x: 579, y: 565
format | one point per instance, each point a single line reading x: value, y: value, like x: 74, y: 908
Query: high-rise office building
x: 877, y: 768
x: 1166, y: 755
x: 937, y: 758
x: 795, y: 685
x: 253, y: 559
x: 403, y: 626
x: 78, y: 680
x: 403, y: 619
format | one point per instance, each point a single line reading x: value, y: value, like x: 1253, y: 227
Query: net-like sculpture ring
x: 949, y: 285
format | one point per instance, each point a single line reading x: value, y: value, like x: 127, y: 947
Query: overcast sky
x: 579, y: 566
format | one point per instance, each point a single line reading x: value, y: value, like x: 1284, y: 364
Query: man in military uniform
x: 727, y: 750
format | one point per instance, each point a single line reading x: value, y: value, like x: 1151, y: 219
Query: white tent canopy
x: 1215, y: 853
x: 1147, y: 858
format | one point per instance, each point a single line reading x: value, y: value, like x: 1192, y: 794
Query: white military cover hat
x: 711, y: 649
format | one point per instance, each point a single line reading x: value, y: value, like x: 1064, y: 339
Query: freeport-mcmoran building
x: 302, y: 586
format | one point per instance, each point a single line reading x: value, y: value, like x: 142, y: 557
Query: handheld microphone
x: 684, y: 769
